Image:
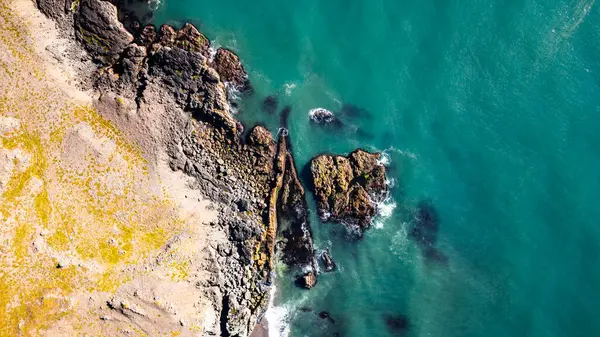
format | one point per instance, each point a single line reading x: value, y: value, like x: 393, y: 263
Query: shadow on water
x: 352, y: 111
x: 285, y: 115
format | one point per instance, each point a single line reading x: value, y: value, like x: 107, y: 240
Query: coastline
x: 162, y: 95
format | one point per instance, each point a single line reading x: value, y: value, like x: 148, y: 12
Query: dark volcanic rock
x: 327, y: 261
x: 191, y: 39
x: 167, y: 35
x: 55, y: 9
x: 147, y: 35
x: 135, y: 13
x: 297, y: 245
x: 100, y: 31
x: 230, y: 68
x: 347, y: 188
x: 321, y: 116
x: 326, y: 118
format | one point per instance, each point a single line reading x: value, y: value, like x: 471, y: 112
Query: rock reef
x: 347, y: 189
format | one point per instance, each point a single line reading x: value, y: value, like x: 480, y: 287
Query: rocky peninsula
x: 153, y: 213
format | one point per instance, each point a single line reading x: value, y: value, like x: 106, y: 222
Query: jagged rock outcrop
x: 56, y: 9
x: 296, y: 243
x: 347, y: 189
x: 230, y: 68
x: 100, y: 31
x: 327, y: 261
x: 308, y: 280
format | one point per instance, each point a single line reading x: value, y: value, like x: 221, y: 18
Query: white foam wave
x: 385, y: 159
x: 316, y: 111
x: 400, y: 245
x: 277, y: 317
x: 321, y: 115
x: 385, y: 210
x: 212, y: 51
x: 282, y: 131
x: 289, y: 87
x: 154, y: 4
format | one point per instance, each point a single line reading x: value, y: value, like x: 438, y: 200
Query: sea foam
x: 289, y: 87
x: 277, y: 317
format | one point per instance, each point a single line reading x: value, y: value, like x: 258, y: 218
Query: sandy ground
x: 98, y: 235
x: 261, y: 329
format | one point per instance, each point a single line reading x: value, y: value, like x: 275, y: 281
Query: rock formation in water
x: 324, y: 116
x: 294, y: 229
x: 347, y: 189
x: 328, y: 262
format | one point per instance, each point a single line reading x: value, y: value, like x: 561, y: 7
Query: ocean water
x: 489, y: 110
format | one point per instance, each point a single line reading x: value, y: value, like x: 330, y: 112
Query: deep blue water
x: 490, y: 110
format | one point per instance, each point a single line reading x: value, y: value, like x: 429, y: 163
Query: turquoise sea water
x: 489, y: 109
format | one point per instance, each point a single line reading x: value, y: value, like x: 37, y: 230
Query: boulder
x: 147, y: 35
x: 167, y: 35
x: 308, y: 280
x: 100, y: 31
x: 321, y: 116
x: 230, y: 69
x: 348, y: 188
x: 56, y: 9
x: 189, y: 38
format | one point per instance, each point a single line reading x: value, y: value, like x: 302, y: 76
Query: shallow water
x: 487, y: 109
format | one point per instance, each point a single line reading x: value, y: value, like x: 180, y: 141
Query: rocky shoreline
x: 252, y: 181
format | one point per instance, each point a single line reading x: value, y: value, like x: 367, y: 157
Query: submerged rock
x: 324, y: 116
x: 326, y: 315
x: 396, y: 323
x: 269, y: 104
x: 348, y: 188
x: 327, y: 261
x: 425, y: 231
